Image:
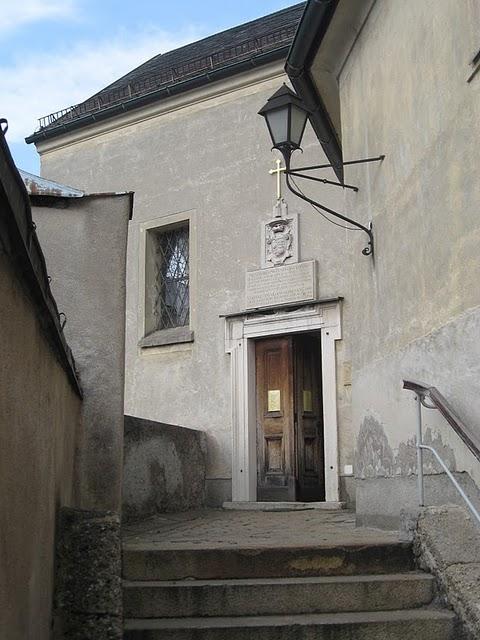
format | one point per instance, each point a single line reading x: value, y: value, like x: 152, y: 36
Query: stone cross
x: 278, y: 171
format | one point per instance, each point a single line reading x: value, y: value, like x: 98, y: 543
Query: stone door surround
x: 240, y: 331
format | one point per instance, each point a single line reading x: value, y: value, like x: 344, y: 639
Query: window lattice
x: 172, y: 308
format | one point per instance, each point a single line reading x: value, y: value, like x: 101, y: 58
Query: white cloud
x: 22, y: 12
x: 36, y: 86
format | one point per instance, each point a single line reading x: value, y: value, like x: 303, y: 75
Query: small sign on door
x: 273, y: 400
x: 307, y: 400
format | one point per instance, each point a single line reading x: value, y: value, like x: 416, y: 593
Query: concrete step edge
x: 284, y: 506
x: 157, y: 547
x: 154, y: 563
x: 317, y: 619
x: 411, y: 576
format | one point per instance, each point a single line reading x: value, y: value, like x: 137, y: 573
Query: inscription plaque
x: 280, y: 285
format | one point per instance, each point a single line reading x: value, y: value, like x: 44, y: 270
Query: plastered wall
x: 84, y: 241
x: 415, y: 309
x: 40, y: 425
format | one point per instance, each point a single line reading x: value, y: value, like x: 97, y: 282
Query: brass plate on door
x: 274, y: 397
x: 307, y: 400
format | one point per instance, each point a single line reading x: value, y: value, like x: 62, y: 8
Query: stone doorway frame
x: 241, y: 329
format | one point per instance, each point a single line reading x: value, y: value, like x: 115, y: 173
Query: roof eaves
x: 307, y: 40
x: 160, y: 94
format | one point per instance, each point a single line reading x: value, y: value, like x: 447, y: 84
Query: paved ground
x: 212, y: 528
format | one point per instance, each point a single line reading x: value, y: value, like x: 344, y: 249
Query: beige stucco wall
x: 40, y: 431
x: 209, y: 158
x: 404, y: 93
x: 84, y: 241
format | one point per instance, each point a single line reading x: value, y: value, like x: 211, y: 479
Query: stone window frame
x: 176, y: 335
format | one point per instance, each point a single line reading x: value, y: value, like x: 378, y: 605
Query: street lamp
x: 286, y: 117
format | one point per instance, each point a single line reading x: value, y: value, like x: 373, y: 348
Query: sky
x: 56, y: 53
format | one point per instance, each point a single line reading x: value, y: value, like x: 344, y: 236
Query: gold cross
x: 278, y: 171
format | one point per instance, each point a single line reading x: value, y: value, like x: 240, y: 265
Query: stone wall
x: 88, y: 590
x: 164, y: 468
x: 447, y: 543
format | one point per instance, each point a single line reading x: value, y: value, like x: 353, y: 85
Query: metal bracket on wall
x: 297, y: 172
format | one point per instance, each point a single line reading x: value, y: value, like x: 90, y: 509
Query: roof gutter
x: 159, y: 94
x: 309, y: 35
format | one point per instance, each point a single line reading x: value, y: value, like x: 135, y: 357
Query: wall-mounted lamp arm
x: 344, y: 164
x: 295, y: 172
x: 368, y: 250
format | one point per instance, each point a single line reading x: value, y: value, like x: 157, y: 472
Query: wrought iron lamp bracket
x: 297, y: 172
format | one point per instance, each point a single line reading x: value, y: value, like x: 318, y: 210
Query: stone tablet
x: 280, y: 285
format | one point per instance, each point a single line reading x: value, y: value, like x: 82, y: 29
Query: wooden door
x: 310, y: 473
x: 275, y: 420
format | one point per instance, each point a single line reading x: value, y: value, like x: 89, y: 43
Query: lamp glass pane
x: 278, y: 121
x: 299, y: 118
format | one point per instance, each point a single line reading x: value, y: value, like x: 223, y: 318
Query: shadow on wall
x: 164, y: 469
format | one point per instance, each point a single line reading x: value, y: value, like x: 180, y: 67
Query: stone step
x: 427, y: 624
x: 273, y: 596
x: 283, y: 506
x: 149, y: 562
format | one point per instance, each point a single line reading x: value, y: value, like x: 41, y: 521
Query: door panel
x: 275, y: 420
x: 309, y: 427
x: 290, y: 458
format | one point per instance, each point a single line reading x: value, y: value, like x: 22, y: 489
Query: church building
x: 262, y: 319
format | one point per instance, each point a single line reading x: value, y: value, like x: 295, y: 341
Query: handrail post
x: 421, y: 488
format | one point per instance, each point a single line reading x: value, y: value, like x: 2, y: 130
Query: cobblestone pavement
x: 214, y: 528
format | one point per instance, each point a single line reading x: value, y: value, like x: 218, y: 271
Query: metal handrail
x: 438, y: 402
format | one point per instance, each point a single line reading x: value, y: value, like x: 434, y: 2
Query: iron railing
x: 438, y: 402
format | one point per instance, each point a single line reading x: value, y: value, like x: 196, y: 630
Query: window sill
x: 177, y: 335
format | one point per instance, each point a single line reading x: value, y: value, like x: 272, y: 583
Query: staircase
x: 357, y: 589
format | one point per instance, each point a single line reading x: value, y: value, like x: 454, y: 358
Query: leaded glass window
x: 172, y: 304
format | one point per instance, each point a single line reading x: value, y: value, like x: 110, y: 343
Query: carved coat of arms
x: 280, y: 238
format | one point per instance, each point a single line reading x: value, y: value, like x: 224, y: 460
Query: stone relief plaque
x: 281, y: 285
x: 280, y: 237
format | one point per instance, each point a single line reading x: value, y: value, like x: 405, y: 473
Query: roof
x: 222, y: 55
x: 20, y: 243
x: 37, y: 186
x: 45, y: 192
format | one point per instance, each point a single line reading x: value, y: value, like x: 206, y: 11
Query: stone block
x: 88, y: 591
x: 164, y: 469
x: 447, y: 543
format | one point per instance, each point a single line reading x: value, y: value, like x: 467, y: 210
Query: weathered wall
x: 84, y: 242
x: 164, y: 468
x: 40, y: 425
x: 209, y: 158
x: 404, y: 93
x: 88, y: 576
